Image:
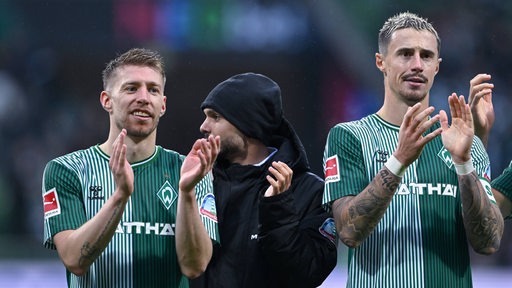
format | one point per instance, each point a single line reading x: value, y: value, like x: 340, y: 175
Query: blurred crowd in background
x: 321, y: 52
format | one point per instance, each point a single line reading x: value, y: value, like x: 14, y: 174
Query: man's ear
x: 439, y: 60
x: 106, y: 101
x: 380, y: 63
x: 164, y: 107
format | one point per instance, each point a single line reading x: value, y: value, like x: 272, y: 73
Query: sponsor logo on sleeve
x: 488, y: 189
x: 487, y: 172
x: 332, y: 171
x: 208, y: 207
x: 51, y: 203
x: 328, y: 229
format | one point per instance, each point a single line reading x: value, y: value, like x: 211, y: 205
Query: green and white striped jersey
x: 420, y: 241
x: 503, y: 183
x: 142, y: 252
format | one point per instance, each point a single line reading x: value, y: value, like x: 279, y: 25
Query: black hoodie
x: 287, y: 240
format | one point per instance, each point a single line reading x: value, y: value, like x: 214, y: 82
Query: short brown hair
x: 137, y: 57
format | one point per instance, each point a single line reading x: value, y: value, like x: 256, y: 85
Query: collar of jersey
x: 393, y: 126
x: 138, y: 163
x: 385, y: 123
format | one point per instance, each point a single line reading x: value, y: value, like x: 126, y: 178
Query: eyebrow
x: 422, y: 50
x: 138, y: 83
x: 209, y: 111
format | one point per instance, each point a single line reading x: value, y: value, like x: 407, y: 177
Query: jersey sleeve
x: 207, y: 207
x: 343, y: 165
x: 482, y: 166
x: 62, y: 201
x: 503, y: 183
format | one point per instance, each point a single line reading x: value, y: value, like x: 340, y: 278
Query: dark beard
x: 230, y: 151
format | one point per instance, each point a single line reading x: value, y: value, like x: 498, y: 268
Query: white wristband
x: 395, y: 166
x: 464, y: 168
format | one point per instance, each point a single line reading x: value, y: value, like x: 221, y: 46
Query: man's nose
x: 143, y: 95
x: 204, y: 127
x: 417, y: 63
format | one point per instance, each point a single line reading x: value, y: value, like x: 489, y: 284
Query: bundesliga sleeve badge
x: 332, y: 171
x: 51, y: 203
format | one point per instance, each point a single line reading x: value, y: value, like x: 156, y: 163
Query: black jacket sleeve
x: 297, y: 236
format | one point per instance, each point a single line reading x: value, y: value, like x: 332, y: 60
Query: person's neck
x: 394, y: 116
x: 136, y: 149
x: 256, y: 152
x: 394, y: 111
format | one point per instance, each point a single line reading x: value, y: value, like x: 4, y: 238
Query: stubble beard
x: 413, y: 97
x: 138, y: 131
x: 231, y: 149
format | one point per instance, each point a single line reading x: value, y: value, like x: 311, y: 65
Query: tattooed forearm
x: 90, y: 251
x: 389, y: 180
x: 358, y: 216
x: 88, y: 254
x: 482, y: 219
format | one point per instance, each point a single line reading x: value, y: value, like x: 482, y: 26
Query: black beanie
x: 249, y: 101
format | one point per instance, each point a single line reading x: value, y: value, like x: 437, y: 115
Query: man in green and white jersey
x: 405, y: 200
x: 480, y: 100
x: 502, y: 189
x: 127, y: 212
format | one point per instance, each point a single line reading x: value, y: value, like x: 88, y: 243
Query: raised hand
x: 458, y: 137
x: 120, y: 167
x: 480, y: 102
x: 411, y: 139
x: 281, y: 180
x: 198, y: 162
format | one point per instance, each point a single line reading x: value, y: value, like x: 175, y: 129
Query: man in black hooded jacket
x: 273, y: 229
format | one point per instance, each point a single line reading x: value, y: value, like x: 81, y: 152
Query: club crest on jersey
x: 51, y: 203
x: 328, y: 229
x: 208, y: 207
x: 332, y: 171
x: 446, y: 157
x: 167, y: 195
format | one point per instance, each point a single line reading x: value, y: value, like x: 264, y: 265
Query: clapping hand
x: 281, y: 180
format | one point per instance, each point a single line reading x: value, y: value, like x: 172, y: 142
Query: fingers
x: 207, y: 150
x: 118, y: 156
x: 466, y: 112
x: 215, y: 146
x: 418, y: 121
x: 457, y: 105
x: 204, y: 153
x: 121, y: 169
x: 409, y: 115
x: 459, y: 108
x: 282, y: 176
x: 427, y: 138
x: 411, y: 138
x: 479, y: 88
x: 443, y: 120
x: 454, y: 105
x: 480, y: 81
x: 481, y: 94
